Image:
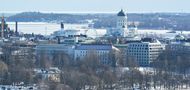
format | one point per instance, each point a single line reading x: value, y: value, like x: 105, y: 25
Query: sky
x: 95, y: 6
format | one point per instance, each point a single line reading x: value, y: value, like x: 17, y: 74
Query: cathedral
x: 121, y: 29
x: 122, y: 24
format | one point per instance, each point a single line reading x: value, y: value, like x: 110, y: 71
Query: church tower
x: 122, y: 23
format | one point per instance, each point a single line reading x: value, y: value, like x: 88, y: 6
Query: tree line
x: 168, y: 71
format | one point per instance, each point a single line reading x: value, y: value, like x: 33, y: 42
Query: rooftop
x: 121, y: 13
x: 151, y: 40
x: 94, y: 47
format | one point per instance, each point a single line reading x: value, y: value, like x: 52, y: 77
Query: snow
x: 48, y: 28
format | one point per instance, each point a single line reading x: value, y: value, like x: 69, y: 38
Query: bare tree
x: 61, y: 60
x: 3, y: 71
x: 43, y: 60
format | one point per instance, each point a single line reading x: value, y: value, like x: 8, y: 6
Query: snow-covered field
x: 41, y: 27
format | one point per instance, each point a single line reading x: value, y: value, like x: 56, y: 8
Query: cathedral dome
x: 121, y: 13
x: 179, y: 37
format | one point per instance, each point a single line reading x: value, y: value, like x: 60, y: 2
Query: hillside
x: 175, y: 21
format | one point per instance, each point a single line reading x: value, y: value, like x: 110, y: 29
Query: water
x: 48, y: 28
x: 42, y: 27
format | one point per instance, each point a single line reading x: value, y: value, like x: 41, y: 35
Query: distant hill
x: 7, y: 14
x: 49, y: 17
x: 175, y: 21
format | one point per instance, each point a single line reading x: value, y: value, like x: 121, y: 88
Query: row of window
x: 139, y: 45
x: 98, y: 52
x: 142, y: 54
x: 137, y: 50
x: 122, y: 20
x: 144, y: 63
x: 155, y: 45
x: 121, y: 24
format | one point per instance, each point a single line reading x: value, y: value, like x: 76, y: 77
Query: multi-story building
x: 77, y: 35
x: 77, y: 52
x: 178, y: 48
x: 101, y: 51
x: 20, y: 50
x: 51, y: 49
x: 144, y: 51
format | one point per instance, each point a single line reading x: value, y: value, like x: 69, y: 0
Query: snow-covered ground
x: 49, y: 28
x: 42, y: 27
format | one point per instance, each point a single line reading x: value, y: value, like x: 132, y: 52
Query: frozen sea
x: 48, y: 28
x: 42, y: 27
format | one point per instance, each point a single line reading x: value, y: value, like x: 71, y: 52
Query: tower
x: 122, y: 23
x: 62, y: 26
x: 16, y: 28
x: 2, y: 27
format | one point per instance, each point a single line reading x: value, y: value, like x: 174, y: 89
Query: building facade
x: 144, y: 52
x: 101, y: 52
x: 51, y: 49
x: 178, y: 48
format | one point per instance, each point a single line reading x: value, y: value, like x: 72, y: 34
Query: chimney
x: 16, y: 28
x: 58, y: 40
x: 62, y: 26
x: 2, y: 27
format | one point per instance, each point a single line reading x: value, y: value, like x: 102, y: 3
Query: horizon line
x: 90, y: 12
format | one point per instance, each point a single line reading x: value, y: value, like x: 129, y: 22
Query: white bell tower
x: 122, y: 23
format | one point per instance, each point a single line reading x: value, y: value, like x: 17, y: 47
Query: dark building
x: 5, y: 30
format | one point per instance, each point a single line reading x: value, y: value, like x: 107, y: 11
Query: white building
x: 52, y: 74
x: 101, y: 51
x: 78, y: 34
x: 145, y: 51
x: 122, y: 23
x: 179, y: 45
x: 132, y: 30
x: 121, y: 29
x: 121, y: 26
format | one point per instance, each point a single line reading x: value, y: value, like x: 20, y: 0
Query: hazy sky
x: 95, y: 5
